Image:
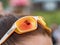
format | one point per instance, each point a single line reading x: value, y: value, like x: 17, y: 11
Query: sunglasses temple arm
x: 9, y: 32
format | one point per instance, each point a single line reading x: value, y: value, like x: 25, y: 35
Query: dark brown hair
x: 7, y: 21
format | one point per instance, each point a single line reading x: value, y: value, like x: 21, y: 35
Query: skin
x: 33, y: 38
x: 38, y: 37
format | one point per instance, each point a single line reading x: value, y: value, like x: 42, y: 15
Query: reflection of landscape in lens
x: 27, y: 23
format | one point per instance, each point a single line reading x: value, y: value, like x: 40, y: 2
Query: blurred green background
x: 50, y: 17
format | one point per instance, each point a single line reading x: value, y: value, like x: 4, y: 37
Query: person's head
x: 19, y: 5
x: 19, y: 2
x: 38, y: 37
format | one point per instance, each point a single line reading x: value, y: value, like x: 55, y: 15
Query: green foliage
x: 50, y: 17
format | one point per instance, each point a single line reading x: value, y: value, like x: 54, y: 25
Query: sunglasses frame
x: 39, y: 20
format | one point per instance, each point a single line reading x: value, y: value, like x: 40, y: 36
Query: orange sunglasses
x: 25, y: 24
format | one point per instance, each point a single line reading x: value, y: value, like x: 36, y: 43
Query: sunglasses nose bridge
x: 35, y: 17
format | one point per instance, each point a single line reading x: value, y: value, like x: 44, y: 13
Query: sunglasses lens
x: 26, y: 24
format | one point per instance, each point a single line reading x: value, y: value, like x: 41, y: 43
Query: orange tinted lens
x: 26, y: 24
